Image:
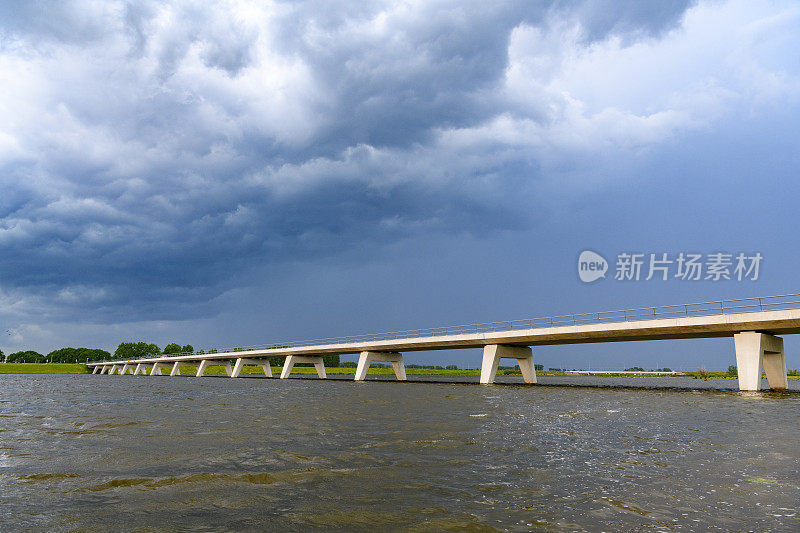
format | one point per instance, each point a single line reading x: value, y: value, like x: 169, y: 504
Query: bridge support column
x: 125, y: 368
x: 292, y: 359
x: 367, y: 358
x: 113, y: 370
x: 202, y: 368
x: 237, y: 368
x: 95, y: 369
x: 205, y: 363
x: 176, y: 368
x: 754, y: 350
x: 139, y: 369
x: 492, y: 354
x: 241, y: 362
x: 156, y: 371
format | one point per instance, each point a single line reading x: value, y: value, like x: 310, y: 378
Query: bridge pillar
x: 95, y: 369
x: 263, y: 363
x: 367, y: 358
x: 125, y: 368
x: 176, y: 368
x: 237, y: 368
x: 492, y: 354
x: 205, y: 363
x: 140, y: 369
x: 754, y: 350
x: 292, y: 359
x: 156, y: 371
x: 113, y: 370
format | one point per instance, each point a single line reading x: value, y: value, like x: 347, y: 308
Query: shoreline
x: 79, y: 368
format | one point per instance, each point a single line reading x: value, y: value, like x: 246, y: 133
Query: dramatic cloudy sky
x: 248, y: 172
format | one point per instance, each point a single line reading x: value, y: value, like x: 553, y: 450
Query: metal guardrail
x: 741, y: 305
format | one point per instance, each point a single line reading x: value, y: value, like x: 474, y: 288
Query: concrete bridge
x: 755, y: 324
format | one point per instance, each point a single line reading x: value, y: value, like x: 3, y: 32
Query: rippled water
x: 130, y: 453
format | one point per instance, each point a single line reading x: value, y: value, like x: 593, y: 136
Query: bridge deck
x: 514, y: 342
x: 772, y: 322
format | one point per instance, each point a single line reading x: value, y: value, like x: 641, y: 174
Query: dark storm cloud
x: 151, y: 153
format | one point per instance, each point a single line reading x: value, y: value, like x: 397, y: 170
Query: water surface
x: 127, y: 453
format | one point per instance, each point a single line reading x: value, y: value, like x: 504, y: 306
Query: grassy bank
x: 276, y: 370
x: 71, y: 368
x: 43, y: 368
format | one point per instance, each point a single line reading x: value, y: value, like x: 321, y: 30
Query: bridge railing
x: 697, y: 309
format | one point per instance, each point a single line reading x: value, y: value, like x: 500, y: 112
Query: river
x: 138, y: 453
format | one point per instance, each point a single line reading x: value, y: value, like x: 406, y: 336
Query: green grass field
x: 72, y: 368
x: 43, y: 368
x: 276, y: 370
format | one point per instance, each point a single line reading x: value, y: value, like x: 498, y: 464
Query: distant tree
x: 732, y: 371
x: 188, y: 349
x: 136, y: 350
x: 451, y: 367
x: 2, y: 357
x: 171, y: 348
x: 538, y: 367
x: 26, y: 357
x: 634, y: 369
x: 77, y: 355
x: 213, y: 350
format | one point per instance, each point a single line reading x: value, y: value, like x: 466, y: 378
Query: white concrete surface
x: 494, y: 352
x: 205, y: 363
x: 367, y: 358
x: 176, y: 368
x: 291, y: 360
x: 156, y: 370
x: 242, y: 362
x: 755, y: 350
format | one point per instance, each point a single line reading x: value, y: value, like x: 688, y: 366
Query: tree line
x: 128, y: 350
x: 63, y: 355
